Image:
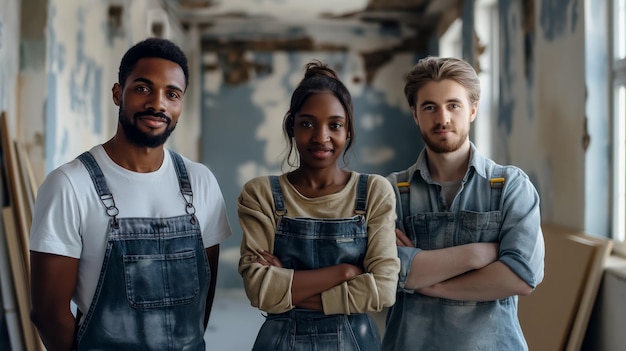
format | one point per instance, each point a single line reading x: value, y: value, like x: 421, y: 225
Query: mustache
x: 152, y: 113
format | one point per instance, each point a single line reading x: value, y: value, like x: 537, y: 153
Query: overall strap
x: 496, y: 182
x: 404, y: 187
x: 184, y: 183
x: 100, y: 184
x: 277, y: 194
x: 360, y: 205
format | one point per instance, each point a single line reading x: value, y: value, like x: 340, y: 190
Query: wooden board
x: 20, y: 282
x: 7, y: 288
x: 555, y: 316
x: 13, y: 180
x: 25, y: 180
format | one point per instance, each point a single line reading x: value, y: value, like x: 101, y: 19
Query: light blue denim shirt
x: 479, y: 212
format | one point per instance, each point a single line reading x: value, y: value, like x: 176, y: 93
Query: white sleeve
x: 214, y: 220
x: 56, y: 218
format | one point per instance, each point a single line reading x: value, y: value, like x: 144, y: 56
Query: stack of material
x: 17, y: 196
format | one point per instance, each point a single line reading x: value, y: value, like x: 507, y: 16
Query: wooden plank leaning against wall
x: 17, y: 201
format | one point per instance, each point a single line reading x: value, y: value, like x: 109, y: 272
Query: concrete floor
x: 234, y: 324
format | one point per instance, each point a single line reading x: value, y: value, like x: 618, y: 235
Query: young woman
x: 318, y: 249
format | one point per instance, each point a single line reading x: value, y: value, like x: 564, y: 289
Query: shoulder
x: 192, y: 166
x: 67, y: 175
x: 509, y: 172
x: 515, y: 179
x: 379, y: 183
x: 379, y: 189
x: 257, y: 187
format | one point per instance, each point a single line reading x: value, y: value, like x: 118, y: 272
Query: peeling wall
x: 542, y: 100
x: 85, y: 46
x: 9, y: 57
x: 78, y: 79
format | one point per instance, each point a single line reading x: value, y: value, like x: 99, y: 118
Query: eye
x: 429, y: 108
x: 336, y: 125
x: 306, y: 124
x: 455, y: 106
x: 141, y: 89
x: 174, y: 95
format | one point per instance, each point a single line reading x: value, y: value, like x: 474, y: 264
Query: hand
x: 403, y: 240
x: 267, y: 259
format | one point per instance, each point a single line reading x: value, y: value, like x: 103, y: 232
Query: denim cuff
x: 406, y: 255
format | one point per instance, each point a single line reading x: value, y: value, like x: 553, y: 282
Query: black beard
x: 137, y: 137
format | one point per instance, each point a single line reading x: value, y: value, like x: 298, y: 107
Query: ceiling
x: 423, y: 16
x: 232, y: 27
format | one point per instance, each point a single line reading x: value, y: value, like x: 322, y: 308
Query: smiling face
x: 320, y: 131
x: 150, y: 101
x: 444, y: 113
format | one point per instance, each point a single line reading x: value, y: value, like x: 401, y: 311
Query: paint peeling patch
x: 506, y: 105
x: 86, y: 81
x: 50, y: 125
x: 555, y: 16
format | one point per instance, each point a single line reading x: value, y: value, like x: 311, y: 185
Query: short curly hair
x: 152, y: 48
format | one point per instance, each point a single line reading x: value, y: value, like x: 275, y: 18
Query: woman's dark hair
x: 318, y: 78
x: 150, y: 48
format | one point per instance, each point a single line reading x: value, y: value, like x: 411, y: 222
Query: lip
x: 321, y: 152
x: 154, y: 121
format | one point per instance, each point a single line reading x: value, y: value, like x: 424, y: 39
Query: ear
x: 117, y: 93
x: 474, y: 111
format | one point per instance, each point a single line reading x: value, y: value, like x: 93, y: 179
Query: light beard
x: 443, y: 147
x: 139, y: 138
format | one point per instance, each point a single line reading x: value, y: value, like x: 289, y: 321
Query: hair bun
x: 317, y: 68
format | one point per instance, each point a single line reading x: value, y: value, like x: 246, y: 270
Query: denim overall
x: 306, y: 243
x: 151, y: 294
x: 420, y: 322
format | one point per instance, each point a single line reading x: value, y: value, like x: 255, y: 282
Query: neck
x: 450, y: 166
x: 132, y: 157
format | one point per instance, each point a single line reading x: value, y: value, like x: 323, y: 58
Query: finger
x: 403, y: 238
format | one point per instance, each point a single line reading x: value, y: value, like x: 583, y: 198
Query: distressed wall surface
x: 9, y: 55
x: 542, y: 102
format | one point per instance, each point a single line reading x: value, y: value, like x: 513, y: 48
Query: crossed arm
x: 308, y: 285
x: 468, y: 272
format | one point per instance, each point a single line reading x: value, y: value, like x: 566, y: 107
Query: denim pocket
x: 161, y: 280
x: 479, y: 227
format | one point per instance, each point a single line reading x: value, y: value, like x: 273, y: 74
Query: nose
x: 442, y: 116
x: 157, y: 101
x: 321, y: 134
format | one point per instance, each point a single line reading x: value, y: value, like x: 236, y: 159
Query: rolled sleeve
x: 406, y: 255
x: 521, y: 239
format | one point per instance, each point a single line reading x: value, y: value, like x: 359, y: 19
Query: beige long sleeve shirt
x: 269, y: 288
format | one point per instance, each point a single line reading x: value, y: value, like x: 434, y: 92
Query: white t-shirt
x: 70, y: 220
